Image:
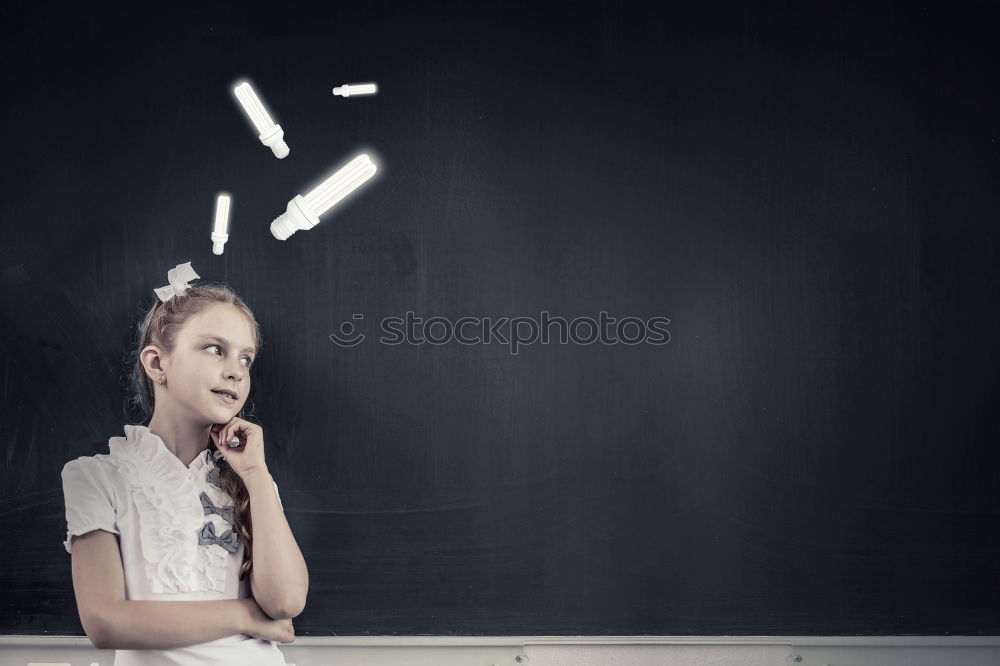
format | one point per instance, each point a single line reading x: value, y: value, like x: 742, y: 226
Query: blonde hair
x: 160, y: 326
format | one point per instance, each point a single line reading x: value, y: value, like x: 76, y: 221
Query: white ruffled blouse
x: 172, y: 529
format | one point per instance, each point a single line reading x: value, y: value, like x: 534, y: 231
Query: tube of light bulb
x: 303, y: 211
x: 220, y: 231
x: 271, y: 134
x: 355, y: 89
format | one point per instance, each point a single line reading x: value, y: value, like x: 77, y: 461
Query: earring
x: 162, y: 380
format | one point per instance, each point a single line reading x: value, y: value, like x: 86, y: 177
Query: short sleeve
x: 89, y: 499
x: 278, y: 495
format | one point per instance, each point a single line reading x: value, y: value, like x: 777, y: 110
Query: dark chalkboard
x: 804, y: 199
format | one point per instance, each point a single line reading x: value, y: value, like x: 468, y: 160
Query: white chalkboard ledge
x: 570, y: 650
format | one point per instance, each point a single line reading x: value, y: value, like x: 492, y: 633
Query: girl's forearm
x: 279, y: 581
x: 136, y: 625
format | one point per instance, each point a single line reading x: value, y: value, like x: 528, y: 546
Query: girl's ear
x: 151, y: 359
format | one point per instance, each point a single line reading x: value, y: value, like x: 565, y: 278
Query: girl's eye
x: 220, y: 349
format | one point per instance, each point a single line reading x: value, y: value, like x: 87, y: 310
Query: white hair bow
x: 178, y: 278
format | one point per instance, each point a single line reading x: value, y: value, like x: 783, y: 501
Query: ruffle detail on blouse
x: 170, y: 515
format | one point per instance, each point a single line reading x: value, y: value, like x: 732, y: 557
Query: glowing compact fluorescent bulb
x: 220, y: 231
x: 304, y: 211
x: 271, y: 135
x: 355, y: 89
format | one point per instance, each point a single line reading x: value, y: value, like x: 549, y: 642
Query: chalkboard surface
x: 783, y: 221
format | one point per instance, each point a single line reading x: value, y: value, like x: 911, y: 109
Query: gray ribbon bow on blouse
x: 230, y: 540
x: 213, y: 473
x: 206, y: 504
x: 213, y: 477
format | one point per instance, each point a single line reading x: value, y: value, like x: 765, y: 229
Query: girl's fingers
x: 226, y: 433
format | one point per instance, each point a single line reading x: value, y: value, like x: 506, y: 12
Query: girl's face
x: 214, y: 351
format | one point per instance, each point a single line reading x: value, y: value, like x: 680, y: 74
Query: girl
x: 159, y: 528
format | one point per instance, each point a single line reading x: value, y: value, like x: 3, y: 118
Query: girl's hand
x: 263, y: 626
x: 248, y: 457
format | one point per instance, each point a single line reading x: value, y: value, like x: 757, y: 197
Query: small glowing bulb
x: 355, y: 89
x: 271, y: 135
x: 220, y: 232
x: 303, y: 211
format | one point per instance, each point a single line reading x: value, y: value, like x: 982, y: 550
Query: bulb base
x: 274, y: 139
x: 218, y: 241
x: 297, y: 216
x: 280, y: 150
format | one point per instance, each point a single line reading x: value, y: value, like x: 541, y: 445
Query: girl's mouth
x: 226, y: 397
